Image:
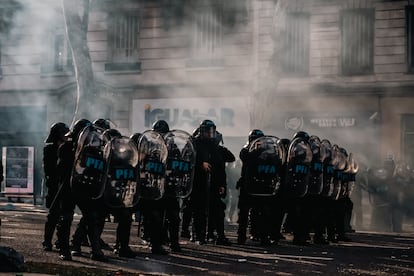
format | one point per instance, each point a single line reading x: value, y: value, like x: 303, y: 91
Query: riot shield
x: 340, y: 163
x: 328, y: 169
x: 89, y: 164
x: 180, y: 163
x: 121, y: 178
x: 298, y: 164
x: 263, y: 166
x: 344, y: 183
x: 152, y: 159
x: 316, y: 168
x: 349, y: 179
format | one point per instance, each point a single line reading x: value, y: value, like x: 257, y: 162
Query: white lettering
x: 333, y: 122
x: 178, y: 116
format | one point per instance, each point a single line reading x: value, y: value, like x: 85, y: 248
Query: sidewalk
x: 25, y: 206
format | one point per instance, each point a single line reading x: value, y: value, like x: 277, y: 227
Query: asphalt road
x: 368, y: 254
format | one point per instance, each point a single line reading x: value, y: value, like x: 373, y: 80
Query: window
x: 295, y: 49
x: 123, y: 42
x: 58, y: 56
x: 410, y: 37
x: 173, y: 13
x: 207, y: 37
x: 357, y: 45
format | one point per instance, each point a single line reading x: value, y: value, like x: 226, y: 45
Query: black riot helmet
x: 77, y: 127
x: 57, y: 131
x: 315, y: 144
x: 110, y: 133
x: 284, y: 144
x: 301, y: 134
x: 161, y: 126
x: 344, y: 152
x: 102, y: 123
x: 315, y: 139
x: 254, y: 134
x: 208, y: 129
x: 135, y: 137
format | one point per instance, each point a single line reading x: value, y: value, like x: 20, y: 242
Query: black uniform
x: 51, y: 178
x: 69, y: 198
x: 244, y: 204
x: 51, y: 182
x: 209, y: 182
x: 152, y: 209
x: 123, y: 215
x: 297, y: 179
x: 169, y: 203
x: 217, y: 194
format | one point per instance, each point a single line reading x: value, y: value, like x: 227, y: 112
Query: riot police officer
x: 244, y: 203
x: 297, y: 179
x: 68, y: 198
x: 217, y: 206
x: 80, y: 238
x: 50, y: 156
x: 280, y: 202
x: 122, y: 215
x: 313, y: 207
x: 209, y: 180
x: 152, y: 207
x: 169, y: 203
x: 343, y: 202
x: 326, y: 202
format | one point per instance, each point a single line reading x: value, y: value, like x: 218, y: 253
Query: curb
x: 24, y: 207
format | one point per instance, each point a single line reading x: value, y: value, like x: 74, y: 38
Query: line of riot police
x: 101, y: 171
x: 299, y: 185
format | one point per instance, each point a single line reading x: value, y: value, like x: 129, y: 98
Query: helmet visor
x: 209, y: 132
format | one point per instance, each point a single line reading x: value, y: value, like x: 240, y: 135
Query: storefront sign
x: 325, y: 121
x: 231, y: 115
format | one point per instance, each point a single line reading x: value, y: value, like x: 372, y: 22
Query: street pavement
x: 369, y: 253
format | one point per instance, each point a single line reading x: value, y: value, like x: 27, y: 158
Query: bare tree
x: 76, y: 15
x: 269, y: 83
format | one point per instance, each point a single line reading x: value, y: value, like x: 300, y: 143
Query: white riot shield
x: 263, y: 167
x: 121, y: 184
x: 89, y: 164
x: 298, y: 165
x: 180, y: 163
x: 152, y: 160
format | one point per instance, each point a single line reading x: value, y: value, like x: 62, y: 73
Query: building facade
x: 337, y: 69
